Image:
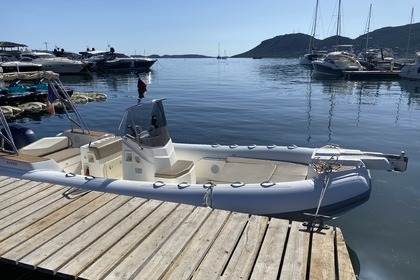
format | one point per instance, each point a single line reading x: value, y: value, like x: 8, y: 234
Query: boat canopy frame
x: 56, y: 91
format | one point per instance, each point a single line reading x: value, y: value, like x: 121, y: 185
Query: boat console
x: 148, y: 151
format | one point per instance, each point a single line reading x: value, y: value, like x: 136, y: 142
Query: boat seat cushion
x: 63, y: 154
x: 179, y: 168
x: 46, y: 145
x: 106, y: 147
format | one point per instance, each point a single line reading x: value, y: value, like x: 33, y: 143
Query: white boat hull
x: 290, y: 200
x: 277, y: 181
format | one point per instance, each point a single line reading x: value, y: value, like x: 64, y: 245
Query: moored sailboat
x: 313, y: 54
x: 339, y: 60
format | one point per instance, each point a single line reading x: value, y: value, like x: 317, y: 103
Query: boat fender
x: 21, y: 135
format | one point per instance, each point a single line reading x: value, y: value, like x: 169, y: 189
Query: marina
x: 337, y: 111
x: 283, y: 160
x: 70, y: 233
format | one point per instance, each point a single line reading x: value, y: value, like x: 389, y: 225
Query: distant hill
x: 295, y: 45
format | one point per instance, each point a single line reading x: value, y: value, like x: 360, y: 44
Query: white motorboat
x: 141, y: 160
x: 411, y: 71
x: 334, y: 63
x: 9, y: 63
x: 339, y: 60
x: 50, y: 62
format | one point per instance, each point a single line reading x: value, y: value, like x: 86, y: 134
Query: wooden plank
x: 192, y: 255
x: 3, y: 178
x: 344, y: 266
x: 242, y: 261
x: 163, y: 259
x: 42, y: 245
x: 21, y: 193
x: 128, y: 241
x: 28, y: 214
x: 322, y: 263
x: 15, y: 212
x: 147, y: 249
x: 267, y: 265
x: 40, y: 220
x: 75, y: 239
x: 112, y: 230
x: 10, y: 184
x: 223, y: 246
x: 295, y: 259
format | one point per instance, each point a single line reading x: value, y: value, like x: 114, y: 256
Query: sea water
x: 277, y: 101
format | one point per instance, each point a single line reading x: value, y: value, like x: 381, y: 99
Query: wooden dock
x: 61, y: 231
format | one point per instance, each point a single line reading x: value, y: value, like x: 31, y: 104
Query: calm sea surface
x: 276, y: 101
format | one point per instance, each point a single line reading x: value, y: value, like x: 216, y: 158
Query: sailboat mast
x: 409, y: 31
x: 338, y: 31
x: 312, y: 41
x: 367, y: 28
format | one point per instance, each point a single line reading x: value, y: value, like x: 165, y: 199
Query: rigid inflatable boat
x: 141, y: 160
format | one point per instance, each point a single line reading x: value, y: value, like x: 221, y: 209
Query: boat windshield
x: 145, y: 123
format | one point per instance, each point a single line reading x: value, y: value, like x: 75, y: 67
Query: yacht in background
x: 110, y: 61
x: 339, y: 60
x: 9, y: 63
x: 334, y: 63
x: 50, y: 62
x: 378, y: 59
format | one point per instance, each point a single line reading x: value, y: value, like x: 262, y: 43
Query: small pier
x: 63, y: 232
x: 372, y: 75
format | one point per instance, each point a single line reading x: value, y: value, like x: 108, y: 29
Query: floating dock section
x: 371, y: 75
x: 63, y: 232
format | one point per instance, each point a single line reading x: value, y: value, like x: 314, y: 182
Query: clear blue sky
x: 186, y: 26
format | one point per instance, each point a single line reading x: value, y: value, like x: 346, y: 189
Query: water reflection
x: 413, y: 90
x: 120, y: 81
x: 309, y: 108
x: 330, y: 115
x: 77, y: 78
x: 385, y: 96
